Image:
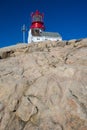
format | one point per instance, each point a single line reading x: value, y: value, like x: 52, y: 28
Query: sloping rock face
x: 43, y: 86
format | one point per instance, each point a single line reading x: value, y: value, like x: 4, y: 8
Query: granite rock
x: 43, y: 86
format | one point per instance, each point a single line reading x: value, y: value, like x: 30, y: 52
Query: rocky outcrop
x: 43, y: 86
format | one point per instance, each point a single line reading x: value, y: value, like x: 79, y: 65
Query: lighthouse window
x: 37, y: 18
x: 37, y: 31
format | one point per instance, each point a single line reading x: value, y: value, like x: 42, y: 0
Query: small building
x: 37, y: 30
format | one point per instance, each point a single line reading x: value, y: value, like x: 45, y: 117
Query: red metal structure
x: 37, y: 21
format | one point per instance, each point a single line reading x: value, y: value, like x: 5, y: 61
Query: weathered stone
x: 43, y: 86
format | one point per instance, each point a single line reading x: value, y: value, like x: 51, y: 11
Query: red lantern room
x: 37, y: 21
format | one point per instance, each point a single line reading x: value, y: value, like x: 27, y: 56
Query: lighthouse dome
x: 37, y: 16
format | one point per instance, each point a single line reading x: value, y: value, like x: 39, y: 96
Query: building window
x: 38, y: 38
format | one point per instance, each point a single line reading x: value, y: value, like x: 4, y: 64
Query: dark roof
x: 50, y: 34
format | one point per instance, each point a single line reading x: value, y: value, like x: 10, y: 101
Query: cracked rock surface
x: 43, y: 86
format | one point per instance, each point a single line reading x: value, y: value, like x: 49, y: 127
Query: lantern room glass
x: 36, y: 18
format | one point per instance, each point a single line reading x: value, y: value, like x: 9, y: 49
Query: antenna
x: 24, y: 29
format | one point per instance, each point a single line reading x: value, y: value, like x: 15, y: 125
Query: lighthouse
x: 37, y: 30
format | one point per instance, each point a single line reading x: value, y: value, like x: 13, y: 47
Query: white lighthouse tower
x: 37, y: 30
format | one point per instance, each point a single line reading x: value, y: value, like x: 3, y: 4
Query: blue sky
x: 68, y: 17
